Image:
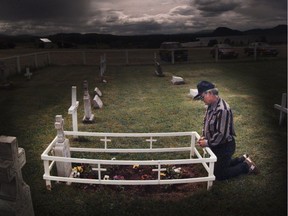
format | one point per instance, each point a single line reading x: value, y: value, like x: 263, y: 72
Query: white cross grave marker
x: 28, y: 74
x: 73, y: 109
x: 97, y: 102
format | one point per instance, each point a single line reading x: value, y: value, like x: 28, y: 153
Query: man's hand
x: 203, y: 142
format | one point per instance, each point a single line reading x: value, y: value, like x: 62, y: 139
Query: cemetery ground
x: 135, y: 100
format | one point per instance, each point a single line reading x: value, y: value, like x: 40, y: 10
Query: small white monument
x: 15, y: 196
x: 62, y: 148
x: 176, y: 80
x: 97, y: 102
x: 88, y: 116
x: 73, y: 109
x: 193, y: 93
x: 98, y: 92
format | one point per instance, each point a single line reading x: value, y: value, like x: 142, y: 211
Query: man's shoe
x: 252, y: 166
x: 244, y: 157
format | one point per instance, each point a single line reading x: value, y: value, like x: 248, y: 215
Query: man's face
x: 207, y: 98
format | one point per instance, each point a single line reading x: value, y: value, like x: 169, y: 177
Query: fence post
x: 172, y: 56
x: 127, y: 57
x: 36, y: 60
x: 47, y: 174
x: 84, y: 57
x: 49, y: 58
x: 192, y: 152
x: 18, y: 64
x: 255, y: 52
x: 211, y: 173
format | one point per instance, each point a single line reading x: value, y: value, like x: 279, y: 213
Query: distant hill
x: 223, y: 31
x: 280, y: 29
x: 94, y: 40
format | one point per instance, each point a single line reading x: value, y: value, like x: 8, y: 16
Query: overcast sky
x: 130, y: 17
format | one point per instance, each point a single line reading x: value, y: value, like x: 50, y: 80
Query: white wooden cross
x: 105, y: 140
x: 283, y: 108
x: 28, y: 74
x: 159, y: 169
x: 73, y: 109
x: 151, y: 140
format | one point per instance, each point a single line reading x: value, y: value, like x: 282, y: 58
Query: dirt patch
x: 136, y: 172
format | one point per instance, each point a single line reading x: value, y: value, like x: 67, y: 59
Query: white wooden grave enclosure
x: 207, y: 161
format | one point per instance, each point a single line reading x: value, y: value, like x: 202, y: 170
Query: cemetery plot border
x: 207, y: 160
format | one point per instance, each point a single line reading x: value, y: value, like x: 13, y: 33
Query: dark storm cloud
x: 215, y: 7
x: 137, y: 16
x: 15, y: 10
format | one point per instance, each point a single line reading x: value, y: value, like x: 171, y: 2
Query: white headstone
x: 98, y: 92
x: 62, y: 148
x: 88, y: 116
x: 97, y: 102
x: 73, y: 109
x: 176, y: 80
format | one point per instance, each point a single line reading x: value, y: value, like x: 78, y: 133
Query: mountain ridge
x: 94, y: 40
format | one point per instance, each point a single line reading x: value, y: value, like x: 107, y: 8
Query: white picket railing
x: 195, y: 158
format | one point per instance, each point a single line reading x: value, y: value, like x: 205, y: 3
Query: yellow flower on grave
x: 135, y: 166
x: 162, y: 174
x: 78, y: 169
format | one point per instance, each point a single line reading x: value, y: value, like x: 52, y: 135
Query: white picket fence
x: 207, y: 160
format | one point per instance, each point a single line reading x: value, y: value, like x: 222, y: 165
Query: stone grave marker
x: 97, y: 102
x: 88, y: 116
x: 15, y: 196
x: 98, y: 92
x: 73, y: 109
x: 176, y: 80
x: 4, y: 83
x: 158, y: 69
x: 62, y: 148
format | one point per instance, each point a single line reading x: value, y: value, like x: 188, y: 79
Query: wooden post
x: 172, y: 57
x: 36, y: 60
x: 255, y: 52
x: 18, y: 64
x: 127, y: 57
x: 84, y: 57
x: 216, y: 53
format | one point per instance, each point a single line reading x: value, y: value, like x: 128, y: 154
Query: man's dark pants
x: 226, y: 167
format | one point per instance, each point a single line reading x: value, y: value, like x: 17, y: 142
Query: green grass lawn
x: 137, y: 101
